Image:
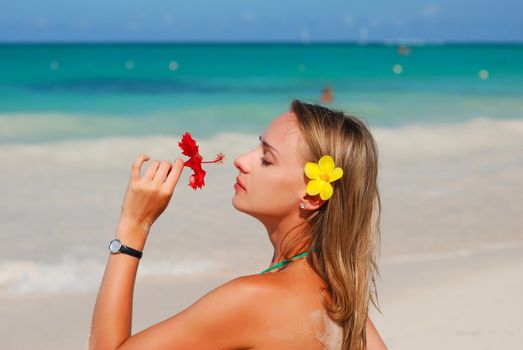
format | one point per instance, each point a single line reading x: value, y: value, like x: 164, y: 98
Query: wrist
x: 136, y: 225
x: 131, y: 234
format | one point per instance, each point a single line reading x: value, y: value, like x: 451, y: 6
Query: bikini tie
x: 286, y: 261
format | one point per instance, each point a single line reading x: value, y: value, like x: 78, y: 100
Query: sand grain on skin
x: 332, y: 333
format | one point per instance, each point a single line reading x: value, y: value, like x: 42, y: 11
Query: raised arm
x: 212, y: 321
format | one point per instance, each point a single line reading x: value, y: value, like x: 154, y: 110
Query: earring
x: 302, y: 205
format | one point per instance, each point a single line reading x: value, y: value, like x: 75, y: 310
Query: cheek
x: 279, y: 191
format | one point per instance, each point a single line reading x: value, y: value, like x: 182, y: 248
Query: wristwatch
x: 116, y: 247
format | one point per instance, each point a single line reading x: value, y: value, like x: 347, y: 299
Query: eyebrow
x: 266, y: 144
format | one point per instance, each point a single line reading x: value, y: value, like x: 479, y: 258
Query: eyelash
x: 264, y: 162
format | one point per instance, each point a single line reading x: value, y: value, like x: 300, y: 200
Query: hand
x: 147, y: 197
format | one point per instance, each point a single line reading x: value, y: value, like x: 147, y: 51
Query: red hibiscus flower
x: 190, y: 149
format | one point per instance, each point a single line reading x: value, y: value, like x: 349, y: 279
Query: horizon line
x: 262, y: 42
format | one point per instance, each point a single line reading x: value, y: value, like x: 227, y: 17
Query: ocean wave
x: 481, y: 134
x: 19, y: 277
x: 395, y: 143
x: 492, y: 247
x: 23, y: 277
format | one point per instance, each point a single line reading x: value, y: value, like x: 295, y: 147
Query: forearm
x: 112, y: 316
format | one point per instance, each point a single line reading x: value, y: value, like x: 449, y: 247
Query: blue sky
x: 262, y: 20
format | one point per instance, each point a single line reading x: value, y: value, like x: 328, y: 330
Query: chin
x: 238, y: 205
x: 235, y: 203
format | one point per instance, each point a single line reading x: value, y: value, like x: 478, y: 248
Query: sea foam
x: 72, y: 275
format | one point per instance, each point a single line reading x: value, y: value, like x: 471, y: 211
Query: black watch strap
x: 130, y: 251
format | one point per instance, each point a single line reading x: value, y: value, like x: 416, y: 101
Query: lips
x: 240, y: 183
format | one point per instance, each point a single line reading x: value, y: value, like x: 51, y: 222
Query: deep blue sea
x: 62, y: 91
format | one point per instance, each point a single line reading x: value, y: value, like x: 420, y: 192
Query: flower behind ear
x: 322, y: 174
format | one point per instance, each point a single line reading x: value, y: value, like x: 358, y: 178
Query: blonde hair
x: 344, y: 232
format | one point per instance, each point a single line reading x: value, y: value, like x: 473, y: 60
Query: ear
x: 312, y: 202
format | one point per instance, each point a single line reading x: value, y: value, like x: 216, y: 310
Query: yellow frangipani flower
x: 321, y: 175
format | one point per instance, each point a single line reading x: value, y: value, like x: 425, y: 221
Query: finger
x: 174, y: 175
x: 137, y: 164
x: 151, y: 170
x: 163, y: 169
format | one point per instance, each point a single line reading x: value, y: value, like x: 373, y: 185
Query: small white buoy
x: 483, y: 74
x: 173, y: 65
x: 397, y: 69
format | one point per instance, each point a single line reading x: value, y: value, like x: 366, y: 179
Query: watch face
x: 115, y: 246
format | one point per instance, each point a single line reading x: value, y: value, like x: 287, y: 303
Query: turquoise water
x: 446, y: 189
x: 52, y: 92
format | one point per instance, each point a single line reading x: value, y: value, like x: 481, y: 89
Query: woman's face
x: 272, y: 174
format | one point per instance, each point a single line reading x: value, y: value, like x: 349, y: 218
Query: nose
x: 240, y: 163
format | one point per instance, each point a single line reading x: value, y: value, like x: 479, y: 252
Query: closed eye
x: 264, y: 162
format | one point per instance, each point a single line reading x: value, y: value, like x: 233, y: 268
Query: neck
x: 285, y: 228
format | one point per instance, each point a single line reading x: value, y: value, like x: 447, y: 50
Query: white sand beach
x: 450, y: 259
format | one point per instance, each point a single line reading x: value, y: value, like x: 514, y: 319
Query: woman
x: 322, y: 221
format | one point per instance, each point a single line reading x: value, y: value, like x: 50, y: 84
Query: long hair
x: 344, y: 232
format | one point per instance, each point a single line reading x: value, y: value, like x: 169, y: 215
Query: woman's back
x: 294, y: 317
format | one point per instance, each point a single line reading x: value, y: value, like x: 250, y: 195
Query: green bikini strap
x: 286, y: 261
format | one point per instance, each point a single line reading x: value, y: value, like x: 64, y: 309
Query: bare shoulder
x: 374, y: 340
x: 224, y: 318
x: 246, y: 289
x: 244, y: 292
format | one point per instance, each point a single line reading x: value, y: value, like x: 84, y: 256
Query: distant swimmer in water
x: 403, y: 50
x: 326, y: 95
